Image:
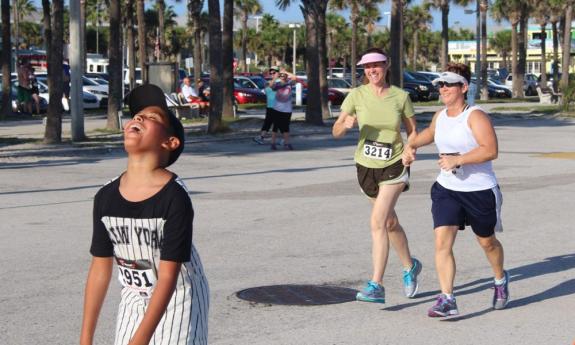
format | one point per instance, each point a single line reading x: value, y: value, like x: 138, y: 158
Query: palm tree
x: 355, y: 8
x: 115, y: 65
x: 195, y: 11
x: 245, y: 8
x: 131, y: 45
x: 541, y: 14
x: 483, y: 12
x: 417, y: 19
x: 140, y: 15
x: 443, y: 5
x: 6, y: 58
x: 161, y: 7
x: 515, y: 11
x: 54, y: 33
x: 314, y: 12
x: 501, y: 43
x: 227, y: 59
x: 269, y: 35
x: 21, y: 8
x: 396, y: 46
x: 369, y: 16
x: 566, y: 45
x: 216, y: 88
x: 337, y: 41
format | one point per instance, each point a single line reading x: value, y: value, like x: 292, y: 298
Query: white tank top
x: 453, y: 135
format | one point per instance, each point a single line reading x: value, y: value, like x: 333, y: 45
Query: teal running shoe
x: 410, y: 279
x: 372, y: 292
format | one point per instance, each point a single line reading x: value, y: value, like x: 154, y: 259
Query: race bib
x: 137, y: 275
x: 376, y: 150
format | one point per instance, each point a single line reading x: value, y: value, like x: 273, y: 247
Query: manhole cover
x: 298, y: 294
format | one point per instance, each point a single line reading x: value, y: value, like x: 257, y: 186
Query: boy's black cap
x: 149, y: 95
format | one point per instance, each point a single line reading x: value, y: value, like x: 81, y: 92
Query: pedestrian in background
x: 270, y: 102
x: 283, y: 108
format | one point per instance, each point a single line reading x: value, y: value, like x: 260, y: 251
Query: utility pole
x: 74, y: 55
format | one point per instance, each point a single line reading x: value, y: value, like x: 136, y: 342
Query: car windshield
x: 245, y: 83
x: 89, y: 82
x: 338, y: 83
x: 260, y: 82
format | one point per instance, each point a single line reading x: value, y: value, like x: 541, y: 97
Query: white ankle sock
x: 500, y: 281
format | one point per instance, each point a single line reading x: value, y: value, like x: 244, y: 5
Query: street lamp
x: 388, y: 14
x: 478, y: 45
x: 294, y: 27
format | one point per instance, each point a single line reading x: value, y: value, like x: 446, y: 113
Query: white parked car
x: 339, y: 84
x: 99, y: 90
x: 529, y: 83
x: 90, y: 101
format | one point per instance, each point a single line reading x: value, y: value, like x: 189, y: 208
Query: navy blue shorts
x: 479, y: 209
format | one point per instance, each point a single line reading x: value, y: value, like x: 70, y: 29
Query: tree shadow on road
x: 547, y: 266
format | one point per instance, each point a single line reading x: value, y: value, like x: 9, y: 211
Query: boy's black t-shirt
x: 159, y: 227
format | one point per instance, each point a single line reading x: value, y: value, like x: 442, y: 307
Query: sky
x: 457, y: 17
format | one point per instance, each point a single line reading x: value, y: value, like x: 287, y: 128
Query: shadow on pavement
x: 547, y: 266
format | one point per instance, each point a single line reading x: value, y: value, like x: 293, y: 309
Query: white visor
x: 450, y: 77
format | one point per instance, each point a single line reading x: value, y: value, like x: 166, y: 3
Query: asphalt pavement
x: 295, y: 217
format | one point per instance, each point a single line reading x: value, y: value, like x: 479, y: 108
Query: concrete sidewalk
x: 24, y: 136
x: 267, y: 217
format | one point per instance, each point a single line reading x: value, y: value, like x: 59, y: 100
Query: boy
x: 143, y: 220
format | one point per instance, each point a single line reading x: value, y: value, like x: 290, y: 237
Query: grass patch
x: 107, y: 131
x: 547, y: 109
x: 6, y: 141
x: 248, y: 106
x: 490, y: 101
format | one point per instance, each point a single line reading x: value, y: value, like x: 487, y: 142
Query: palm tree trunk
x: 543, y: 55
x: 444, y: 34
x: 354, y: 20
x: 396, y: 50
x: 195, y: 9
x: 320, y: 13
x: 313, y: 111
x: 83, y: 34
x: 228, y: 57
x: 142, y: 40
x: 115, y: 65
x: 161, y: 26
x: 522, y: 50
x: 6, y: 58
x: 566, y: 47
x: 415, y: 48
x: 131, y: 45
x: 514, y: 56
x: 53, y: 131
x: 484, y: 92
x: 555, y: 63
x: 244, y: 62
x: 216, y: 90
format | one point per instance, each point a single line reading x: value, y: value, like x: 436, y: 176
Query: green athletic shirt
x: 379, y: 119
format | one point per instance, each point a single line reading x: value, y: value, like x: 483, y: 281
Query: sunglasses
x: 441, y: 84
x: 273, y: 72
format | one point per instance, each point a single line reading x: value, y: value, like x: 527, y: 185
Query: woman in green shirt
x: 382, y: 162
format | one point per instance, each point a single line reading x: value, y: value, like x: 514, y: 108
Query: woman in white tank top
x: 466, y: 190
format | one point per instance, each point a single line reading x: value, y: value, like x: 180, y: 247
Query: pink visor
x: 371, y: 58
